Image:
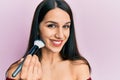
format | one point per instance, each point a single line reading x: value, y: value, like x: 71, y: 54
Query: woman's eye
x: 51, y: 26
x: 66, y: 26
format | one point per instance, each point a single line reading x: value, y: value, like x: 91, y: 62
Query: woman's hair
x: 70, y: 49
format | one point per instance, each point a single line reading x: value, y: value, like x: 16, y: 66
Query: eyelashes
x: 51, y: 25
x: 66, y: 26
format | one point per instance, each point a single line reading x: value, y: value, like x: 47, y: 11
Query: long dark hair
x: 70, y: 49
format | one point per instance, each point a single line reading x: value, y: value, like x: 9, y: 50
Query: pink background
x: 97, y: 28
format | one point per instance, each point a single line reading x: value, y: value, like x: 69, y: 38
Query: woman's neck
x: 50, y: 57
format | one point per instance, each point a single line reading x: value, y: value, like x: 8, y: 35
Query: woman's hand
x: 31, y: 69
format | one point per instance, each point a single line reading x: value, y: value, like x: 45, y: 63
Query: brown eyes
x: 54, y: 26
x: 51, y: 25
x: 66, y: 26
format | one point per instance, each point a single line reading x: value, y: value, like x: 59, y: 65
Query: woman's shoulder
x: 80, y: 69
x: 11, y: 69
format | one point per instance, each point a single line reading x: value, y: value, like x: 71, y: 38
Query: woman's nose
x: 59, y: 33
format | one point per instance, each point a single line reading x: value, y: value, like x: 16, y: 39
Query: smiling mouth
x: 57, y: 43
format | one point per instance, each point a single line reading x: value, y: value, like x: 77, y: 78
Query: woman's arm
x: 9, y: 79
x: 82, y: 70
x: 11, y: 70
x: 31, y: 69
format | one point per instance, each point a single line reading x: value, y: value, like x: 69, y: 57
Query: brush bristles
x: 39, y: 43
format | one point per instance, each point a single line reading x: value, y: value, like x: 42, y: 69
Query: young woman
x: 59, y: 59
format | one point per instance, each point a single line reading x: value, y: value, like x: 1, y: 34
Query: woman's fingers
x: 31, y: 69
x: 25, y: 67
x: 39, y: 70
x: 31, y: 74
x: 36, y: 69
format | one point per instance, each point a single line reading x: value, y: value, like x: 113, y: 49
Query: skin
x: 55, y: 31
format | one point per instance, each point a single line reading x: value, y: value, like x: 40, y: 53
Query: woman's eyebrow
x: 56, y: 22
x: 68, y: 22
x: 51, y: 22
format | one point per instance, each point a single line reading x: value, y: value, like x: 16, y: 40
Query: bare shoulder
x: 12, y: 69
x: 80, y: 69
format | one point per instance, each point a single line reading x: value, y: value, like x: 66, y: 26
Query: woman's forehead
x: 57, y: 14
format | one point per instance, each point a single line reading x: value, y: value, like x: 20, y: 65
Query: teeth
x: 57, y: 42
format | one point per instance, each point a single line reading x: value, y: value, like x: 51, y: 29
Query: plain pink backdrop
x: 97, y: 24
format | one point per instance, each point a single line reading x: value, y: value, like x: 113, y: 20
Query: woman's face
x: 55, y: 29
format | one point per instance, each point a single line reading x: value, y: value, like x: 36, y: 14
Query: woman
x: 59, y: 59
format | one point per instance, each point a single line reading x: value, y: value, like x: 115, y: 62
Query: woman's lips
x: 57, y: 43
